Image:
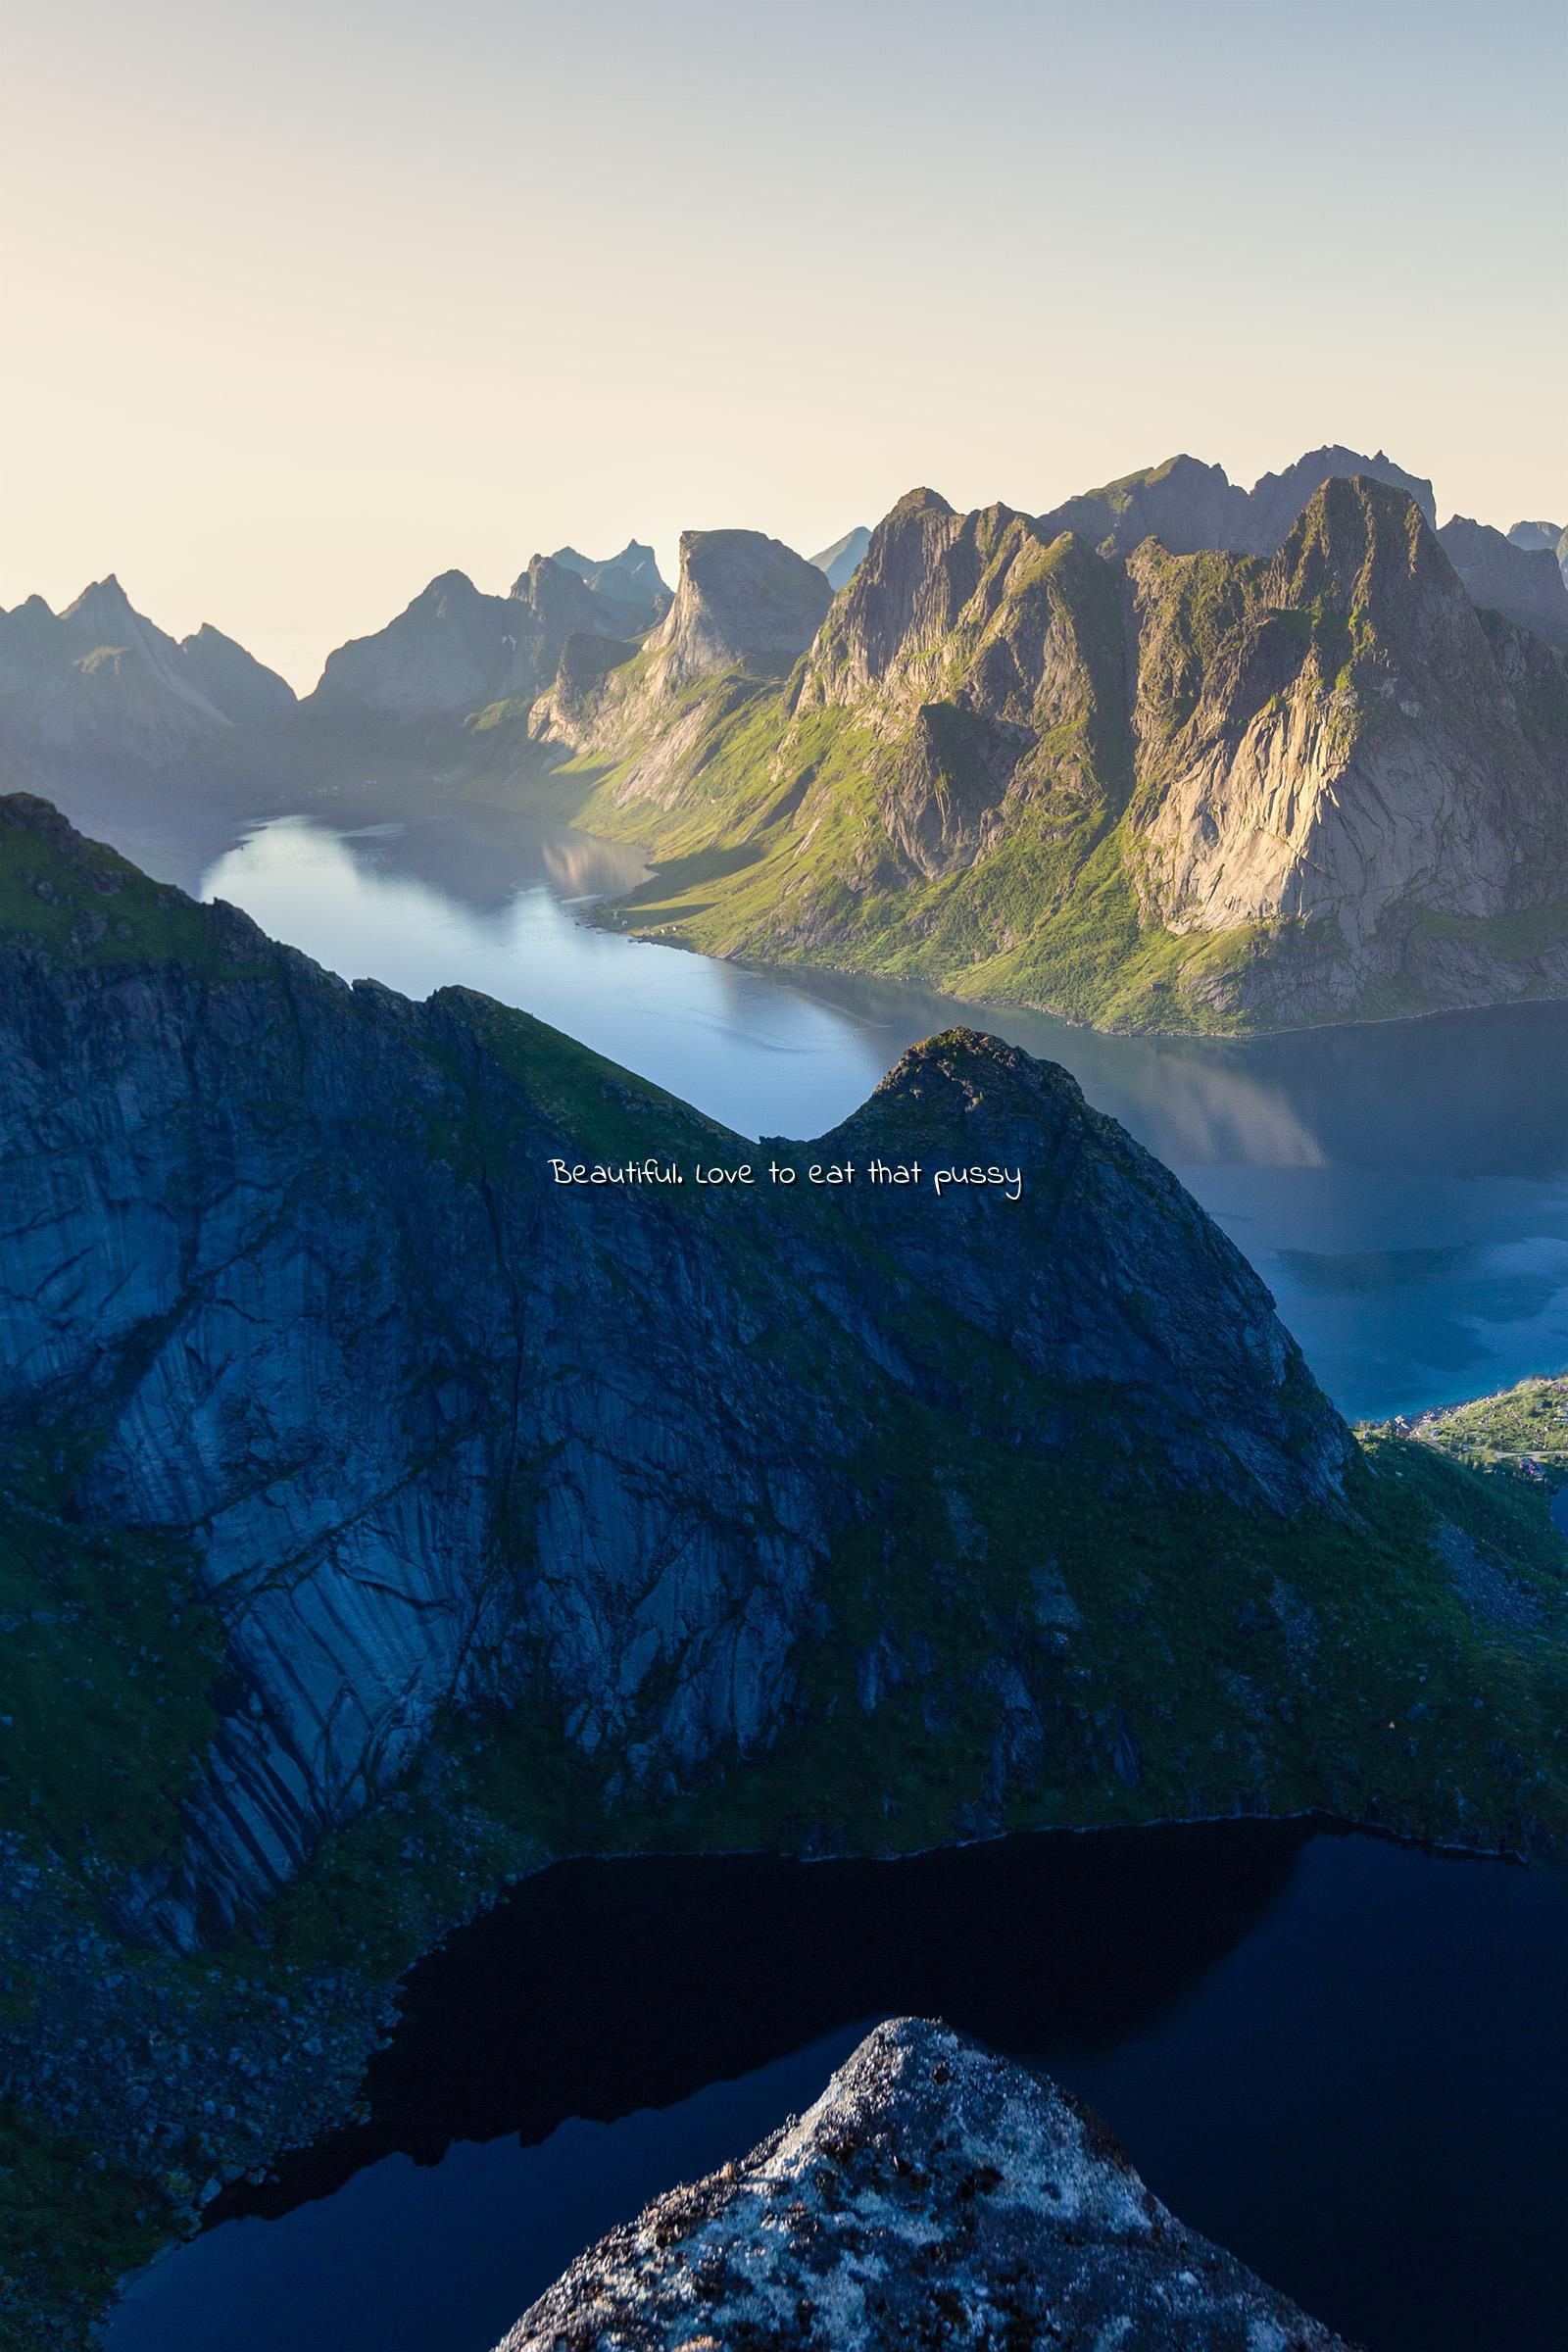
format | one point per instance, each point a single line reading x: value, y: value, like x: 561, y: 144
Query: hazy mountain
x: 1523, y: 584
x: 629, y: 586
x: 841, y: 560
x: 455, y: 651
x: 1189, y: 507
x: 100, y: 680
x: 1550, y: 535
x: 1211, y: 789
x: 1277, y: 499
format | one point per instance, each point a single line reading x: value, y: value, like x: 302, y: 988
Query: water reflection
x: 1402, y: 1189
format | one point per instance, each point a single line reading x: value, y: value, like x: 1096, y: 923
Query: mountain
x: 1182, y: 504
x: 1537, y: 536
x: 933, y: 2195
x: 398, y: 1511
x: 1277, y: 499
x: 843, y: 559
x: 627, y: 585
x: 1190, y: 507
x: 455, y: 652
x: 745, y: 609
x: 1524, y: 584
x: 99, y: 680
x: 1177, y: 791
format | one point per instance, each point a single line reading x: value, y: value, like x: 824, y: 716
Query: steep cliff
x: 1205, y: 789
x: 934, y: 2195
x: 102, y: 681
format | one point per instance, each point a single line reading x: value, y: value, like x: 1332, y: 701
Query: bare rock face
x: 1521, y: 582
x: 743, y: 599
x: 1334, y: 771
x: 1014, y: 762
x: 102, y: 681
x: 935, y: 2196
x: 1277, y: 499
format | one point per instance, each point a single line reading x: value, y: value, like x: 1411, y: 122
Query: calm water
x: 1344, y: 2059
x: 1402, y: 1189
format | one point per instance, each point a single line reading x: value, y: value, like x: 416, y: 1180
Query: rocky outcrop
x: 100, y: 682
x: 1523, y: 584
x: 840, y: 562
x: 934, y: 2195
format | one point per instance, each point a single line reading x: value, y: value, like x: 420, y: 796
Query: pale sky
x: 306, y: 302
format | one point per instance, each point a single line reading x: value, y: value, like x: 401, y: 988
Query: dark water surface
x: 1402, y: 1189
x: 1345, y: 2059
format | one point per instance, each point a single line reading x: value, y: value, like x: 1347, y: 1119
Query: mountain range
x: 1146, y: 789
x: 1173, y: 755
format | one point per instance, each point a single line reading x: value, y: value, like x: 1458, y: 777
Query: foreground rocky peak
x: 935, y: 2195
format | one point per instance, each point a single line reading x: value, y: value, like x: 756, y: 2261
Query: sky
x: 304, y: 303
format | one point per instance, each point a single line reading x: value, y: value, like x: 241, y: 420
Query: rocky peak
x: 1277, y: 499
x: 743, y: 600
x: 934, y: 2195
x: 924, y: 566
x: 1358, y: 544
x: 1184, y: 504
x: 102, y: 611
